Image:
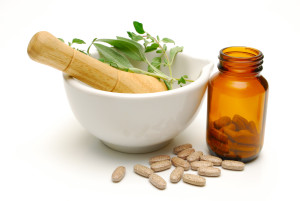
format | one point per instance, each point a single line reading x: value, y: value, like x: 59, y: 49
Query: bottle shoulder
x: 250, y: 84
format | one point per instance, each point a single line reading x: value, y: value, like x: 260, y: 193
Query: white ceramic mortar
x: 139, y: 123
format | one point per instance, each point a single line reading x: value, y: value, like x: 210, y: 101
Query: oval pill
x: 181, y: 163
x: 158, y: 158
x: 215, y: 160
x: 179, y: 148
x: 161, y: 165
x: 194, y: 156
x: 233, y: 165
x: 185, y: 153
x: 209, y: 171
x: 176, y: 174
x: 157, y: 181
x: 194, y: 179
x: 142, y: 170
x: 118, y: 174
x: 196, y: 164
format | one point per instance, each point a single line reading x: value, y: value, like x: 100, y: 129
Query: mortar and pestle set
x: 128, y: 112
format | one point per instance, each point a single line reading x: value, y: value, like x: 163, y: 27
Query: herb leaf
x: 165, y: 47
x: 134, y: 37
x: 62, y: 40
x: 156, y: 62
x: 111, y: 55
x: 169, y: 87
x: 138, y: 27
x: 168, y: 40
x: 77, y: 41
x: 82, y: 51
x: 152, y: 47
x: 173, y: 53
x: 128, y: 47
x: 137, y: 46
x: 181, y: 80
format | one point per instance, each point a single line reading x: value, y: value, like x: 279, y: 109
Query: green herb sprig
x: 121, y: 50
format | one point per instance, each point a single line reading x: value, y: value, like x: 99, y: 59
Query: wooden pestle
x: 47, y: 49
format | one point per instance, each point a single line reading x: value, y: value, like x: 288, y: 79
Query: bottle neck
x: 242, y: 61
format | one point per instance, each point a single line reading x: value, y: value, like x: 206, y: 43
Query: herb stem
x: 185, y: 80
x: 164, y: 52
x: 88, y: 50
x: 137, y: 70
x: 158, y: 72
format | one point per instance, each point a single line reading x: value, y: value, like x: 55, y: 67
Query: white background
x: 45, y: 154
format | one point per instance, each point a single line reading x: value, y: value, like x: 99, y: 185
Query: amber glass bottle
x: 237, y: 103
